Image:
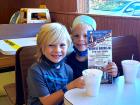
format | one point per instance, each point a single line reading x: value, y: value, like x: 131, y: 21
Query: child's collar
x: 80, y: 53
x: 52, y: 64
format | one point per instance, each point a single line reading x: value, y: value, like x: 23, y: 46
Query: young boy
x: 49, y: 78
x: 78, y: 58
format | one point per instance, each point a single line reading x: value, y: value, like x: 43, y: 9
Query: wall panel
x: 31, y: 3
x: 119, y: 25
x: 62, y: 5
x: 7, y: 8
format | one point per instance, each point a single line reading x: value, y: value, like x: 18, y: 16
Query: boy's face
x: 79, y: 36
x: 55, y: 52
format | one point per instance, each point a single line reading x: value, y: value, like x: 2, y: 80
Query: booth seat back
x: 122, y: 48
x: 25, y: 57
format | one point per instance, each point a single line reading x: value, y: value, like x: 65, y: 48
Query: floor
x: 5, y: 78
x: 4, y: 100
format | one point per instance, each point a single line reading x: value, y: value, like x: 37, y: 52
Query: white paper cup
x: 130, y: 69
x: 92, y: 79
x: 138, y: 74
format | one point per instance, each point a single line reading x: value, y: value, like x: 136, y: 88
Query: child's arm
x: 77, y: 83
x: 52, y: 99
x: 58, y: 96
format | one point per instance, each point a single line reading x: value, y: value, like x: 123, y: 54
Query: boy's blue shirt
x: 76, y: 65
x: 44, y: 79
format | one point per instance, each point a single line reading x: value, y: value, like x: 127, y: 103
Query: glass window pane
x: 115, y: 7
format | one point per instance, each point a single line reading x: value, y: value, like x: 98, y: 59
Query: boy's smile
x: 56, y: 52
x: 79, y: 36
x: 55, y: 56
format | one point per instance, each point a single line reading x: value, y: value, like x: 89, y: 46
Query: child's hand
x: 111, y: 69
x: 77, y: 83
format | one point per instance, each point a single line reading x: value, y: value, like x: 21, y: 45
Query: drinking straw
x: 132, y: 57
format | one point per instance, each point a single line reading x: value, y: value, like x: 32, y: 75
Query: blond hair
x: 49, y: 34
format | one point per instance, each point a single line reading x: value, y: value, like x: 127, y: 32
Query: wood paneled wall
x: 32, y: 3
x: 67, y: 5
x: 8, y: 7
x: 62, y: 5
x: 119, y: 25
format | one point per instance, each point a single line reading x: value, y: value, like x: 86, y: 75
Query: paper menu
x: 100, y: 51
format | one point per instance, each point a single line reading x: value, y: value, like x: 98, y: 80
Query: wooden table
x: 7, y: 51
x: 7, y: 60
x: 11, y: 31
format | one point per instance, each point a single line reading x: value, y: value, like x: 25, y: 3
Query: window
x: 115, y: 7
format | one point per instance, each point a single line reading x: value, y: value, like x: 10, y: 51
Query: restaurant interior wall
x: 64, y: 12
x: 61, y: 12
x: 8, y: 7
x: 119, y: 25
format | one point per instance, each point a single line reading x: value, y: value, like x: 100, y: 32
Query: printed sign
x: 100, y: 51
